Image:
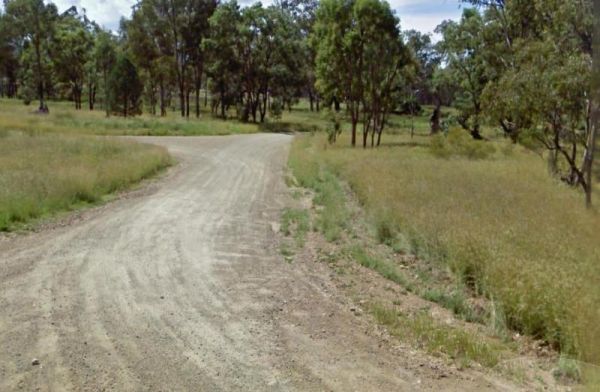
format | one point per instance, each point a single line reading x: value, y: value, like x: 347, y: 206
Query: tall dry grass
x: 501, y: 224
x: 42, y: 173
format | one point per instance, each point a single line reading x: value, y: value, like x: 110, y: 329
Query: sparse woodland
x: 522, y: 67
x: 516, y: 72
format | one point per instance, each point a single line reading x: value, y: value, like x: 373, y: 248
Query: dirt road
x: 183, y: 288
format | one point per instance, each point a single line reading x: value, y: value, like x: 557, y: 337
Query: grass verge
x: 295, y: 222
x: 504, y: 228
x: 425, y: 332
x: 46, y: 173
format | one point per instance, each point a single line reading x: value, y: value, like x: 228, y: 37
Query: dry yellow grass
x: 501, y: 224
x: 44, y: 173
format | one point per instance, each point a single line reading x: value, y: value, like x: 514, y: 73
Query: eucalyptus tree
x: 463, y: 48
x: 9, y: 61
x: 104, y: 56
x: 125, y: 88
x: 303, y: 13
x: 195, y: 31
x: 428, y: 61
x: 142, y: 44
x: 71, y: 49
x: 338, y: 58
x: 543, y: 95
x: 223, y: 48
x: 32, y: 25
x: 361, y: 57
x: 181, y: 25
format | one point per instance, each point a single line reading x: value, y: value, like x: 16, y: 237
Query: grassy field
x: 489, y: 213
x: 64, y: 119
x: 45, y: 173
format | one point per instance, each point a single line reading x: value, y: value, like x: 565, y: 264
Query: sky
x: 422, y: 15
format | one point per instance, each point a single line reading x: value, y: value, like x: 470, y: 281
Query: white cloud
x: 423, y: 23
x: 106, y: 13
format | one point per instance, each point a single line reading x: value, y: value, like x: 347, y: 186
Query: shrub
x: 460, y: 143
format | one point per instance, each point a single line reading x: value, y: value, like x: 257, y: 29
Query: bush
x: 276, y: 108
x: 460, y: 143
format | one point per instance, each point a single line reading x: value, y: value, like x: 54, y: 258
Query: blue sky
x: 422, y: 15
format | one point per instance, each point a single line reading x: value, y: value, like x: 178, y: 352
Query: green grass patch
x: 456, y: 301
x: 329, y: 196
x: 425, y: 332
x: 385, y: 268
x: 295, y: 222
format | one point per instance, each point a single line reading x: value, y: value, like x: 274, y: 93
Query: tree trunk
x: 163, y: 108
x: 588, y: 165
x: 182, y: 101
x: 40, y: 81
x: 91, y: 97
x: 435, y: 117
x: 187, y: 104
x: 106, y: 98
x: 263, y: 107
x: 197, y: 101
x: 476, y: 134
x: 595, y: 107
x: 373, y: 138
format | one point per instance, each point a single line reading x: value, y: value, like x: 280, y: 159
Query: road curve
x: 182, y: 289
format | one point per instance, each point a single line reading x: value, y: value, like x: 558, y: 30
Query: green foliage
x: 361, y: 58
x: 125, y: 88
x: 276, y: 108
x: 32, y: 22
x: 72, y: 48
x: 260, y: 51
x: 464, y: 51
